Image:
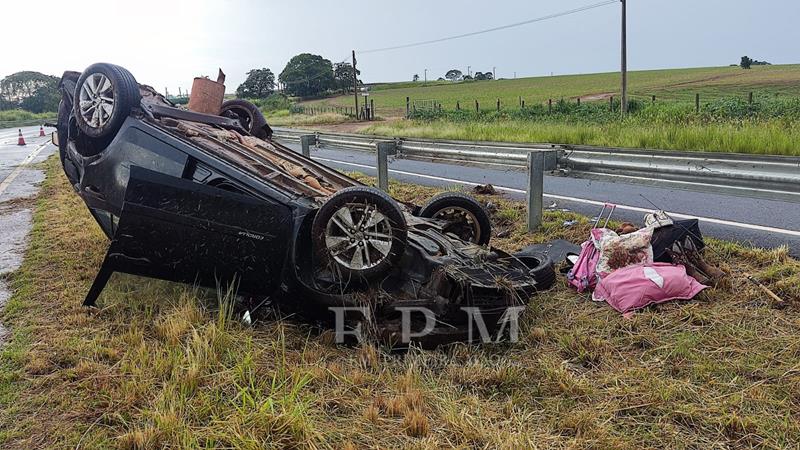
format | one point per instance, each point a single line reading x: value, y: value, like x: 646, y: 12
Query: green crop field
x: 673, y: 85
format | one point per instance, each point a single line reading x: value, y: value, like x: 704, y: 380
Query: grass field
x: 767, y: 137
x: 669, y: 85
x: 8, y: 117
x: 726, y: 122
x: 163, y: 366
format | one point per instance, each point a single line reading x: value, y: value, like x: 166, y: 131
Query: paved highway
x: 18, y: 182
x: 763, y: 223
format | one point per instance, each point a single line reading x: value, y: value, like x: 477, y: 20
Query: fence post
x: 535, y: 189
x: 372, y: 109
x: 458, y: 106
x: 697, y: 102
x: 385, y: 149
x: 549, y: 105
x: 611, y: 103
x: 654, y: 99
x: 498, y: 104
x: 306, y: 141
x: 408, y: 106
x: 477, y: 107
x: 579, y: 101
x: 523, y: 104
x: 750, y: 97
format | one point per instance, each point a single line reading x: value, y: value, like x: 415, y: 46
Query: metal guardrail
x: 769, y: 177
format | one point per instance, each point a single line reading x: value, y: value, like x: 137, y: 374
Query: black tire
x: 476, y: 229
x: 368, y: 198
x: 249, y: 116
x: 541, y: 269
x: 62, y: 129
x: 125, y: 95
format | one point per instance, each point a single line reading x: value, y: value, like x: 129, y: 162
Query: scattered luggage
x: 635, y: 287
x: 631, y: 268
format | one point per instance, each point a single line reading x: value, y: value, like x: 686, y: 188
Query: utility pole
x: 624, y: 57
x: 426, y: 76
x: 469, y: 71
x: 355, y: 83
x: 494, y: 73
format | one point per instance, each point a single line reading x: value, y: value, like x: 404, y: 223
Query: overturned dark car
x: 212, y: 200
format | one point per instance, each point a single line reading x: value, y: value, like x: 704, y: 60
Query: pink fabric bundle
x: 635, y: 287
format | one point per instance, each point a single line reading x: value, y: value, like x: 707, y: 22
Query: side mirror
x: 54, y: 138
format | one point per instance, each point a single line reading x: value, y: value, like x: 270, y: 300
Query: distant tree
x: 416, y: 77
x: 467, y: 78
x: 488, y: 76
x: 307, y: 75
x: 746, y: 62
x: 32, y: 91
x: 343, y: 76
x: 260, y: 83
x: 480, y: 76
x: 440, y: 79
x: 453, y: 74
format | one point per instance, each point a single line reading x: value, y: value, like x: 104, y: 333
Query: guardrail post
x: 385, y: 149
x: 306, y: 141
x: 697, y: 102
x: 535, y: 189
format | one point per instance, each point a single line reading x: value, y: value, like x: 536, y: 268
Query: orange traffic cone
x: 21, y: 140
x: 41, y: 131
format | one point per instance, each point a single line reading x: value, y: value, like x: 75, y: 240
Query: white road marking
x: 581, y: 200
x: 17, y: 170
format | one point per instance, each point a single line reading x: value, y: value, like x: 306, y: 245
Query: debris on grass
x: 162, y: 365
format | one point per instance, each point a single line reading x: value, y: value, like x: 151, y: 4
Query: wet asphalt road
x: 18, y: 184
x: 763, y: 223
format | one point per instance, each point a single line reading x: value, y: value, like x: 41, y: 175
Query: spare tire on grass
x: 465, y: 216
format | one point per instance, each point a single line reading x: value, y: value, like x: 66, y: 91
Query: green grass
x: 161, y: 365
x: 673, y: 85
x: 727, y: 122
x: 769, y: 137
x: 16, y: 115
x: 283, y: 118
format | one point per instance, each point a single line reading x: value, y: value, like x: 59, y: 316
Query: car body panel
x: 180, y: 230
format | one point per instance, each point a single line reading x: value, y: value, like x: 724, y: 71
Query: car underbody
x: 200, y: 199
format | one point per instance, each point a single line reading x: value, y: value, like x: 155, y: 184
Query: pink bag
x: 583, y: 275
x: 635, y: 287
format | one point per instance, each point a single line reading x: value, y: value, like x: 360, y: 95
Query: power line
x: 489, y: 30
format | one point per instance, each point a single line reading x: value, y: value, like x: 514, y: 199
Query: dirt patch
x: 351, y: 127
x: 595, y: 97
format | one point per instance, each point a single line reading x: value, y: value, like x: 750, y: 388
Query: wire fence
x: 612, y: 100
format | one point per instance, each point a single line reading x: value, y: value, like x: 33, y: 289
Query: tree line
x: 457, y: 75
x: 305, y: 75
x: 31, y: 91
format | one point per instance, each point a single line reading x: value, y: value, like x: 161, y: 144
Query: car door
x: 177, y: 229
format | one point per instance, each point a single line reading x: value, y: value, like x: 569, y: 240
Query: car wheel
x: 104, y: 96
x: 541, y: 269
x: 360, y: 231
x: 249, y: 116
x: 62, y: 128
x: 465, y: 216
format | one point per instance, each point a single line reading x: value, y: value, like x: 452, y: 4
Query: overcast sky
x: 166, y: 43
